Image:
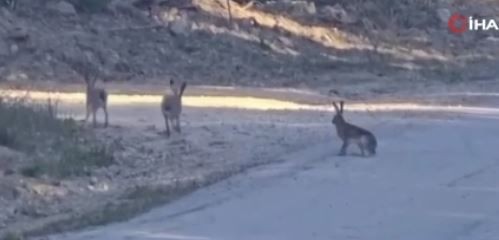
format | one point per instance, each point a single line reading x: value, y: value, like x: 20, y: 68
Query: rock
x: 94, y: 181
x: 142, y: 4
x: 14, y: 77
x: 14, y: 48
x: 12, y: 236
x: 303, y: 8
x: 110, y: 57
x: 311, y: 9
x: 4, y: 48
x: 248, y: 23
x: 444, y: 14
x: 180, y: 26
x: 47, y: 190
x: 114, y: 5
x: 286, y: 41
x: 19, y: 35
x: 8, y: 191
x: 171, y: 15
x: 8, y: 158
x: 99, y: 187
x: 63, y: 7
x: 337, y: 13
x: 492, y: 39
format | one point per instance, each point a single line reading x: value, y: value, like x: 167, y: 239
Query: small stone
x: 19, y: 35
x: 14, y: 48
x: 444, y: 14
x: 303, y: 8
x: 94, y: 181
x: 338, y: 13
x: 180, y: 27
x: 4, y: 49
x: 63, y: 7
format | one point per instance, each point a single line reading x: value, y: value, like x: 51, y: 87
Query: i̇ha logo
x: 459, y: 23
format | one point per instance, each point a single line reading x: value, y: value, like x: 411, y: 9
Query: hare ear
x: 87, y: 79
x: 336, y: 107
x: 183, y: 86
x: 342, y: 103
x: 172, y: 84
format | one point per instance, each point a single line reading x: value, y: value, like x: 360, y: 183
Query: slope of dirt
x: 288, y: 44
x: 327, y: 197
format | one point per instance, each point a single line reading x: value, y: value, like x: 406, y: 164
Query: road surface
x: 432, y: 179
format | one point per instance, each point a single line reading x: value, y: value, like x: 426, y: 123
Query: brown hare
x: 96, y: 99
x: 171, y: 106
x: 350, y: 133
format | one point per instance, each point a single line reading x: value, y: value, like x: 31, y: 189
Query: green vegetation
x: 59, y: 147
x: 90, y: 6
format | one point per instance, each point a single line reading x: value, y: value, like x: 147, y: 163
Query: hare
x: 96, y: 98
x: 171, y: 106
x: 350, y: 133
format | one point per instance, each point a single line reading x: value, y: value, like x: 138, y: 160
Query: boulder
x: 443, y: 14
x: 180, y: 26
x: 303, y: 8
x: 4, y: 48
x: 63, y: 7
x: 337, y: 13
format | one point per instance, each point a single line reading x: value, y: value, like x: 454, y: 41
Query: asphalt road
x: 432, y: 179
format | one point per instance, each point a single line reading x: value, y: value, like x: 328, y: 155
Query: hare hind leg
x: 366, y: 145
x: 167, y: 125
x: 106, y: 116
x: 177, y: 124
x: 87, y: 113
x: 362, y: 148
x: 94, y: 117
x: 343, y: 150
x: 372, y: 149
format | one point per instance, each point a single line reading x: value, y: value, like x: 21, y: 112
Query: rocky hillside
x: 280, y: 43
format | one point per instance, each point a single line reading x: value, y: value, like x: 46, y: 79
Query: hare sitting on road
x: 96, y: 98
x: 350, y: 133
x: 171, y: 106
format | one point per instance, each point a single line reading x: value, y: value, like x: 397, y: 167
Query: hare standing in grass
x: 96, y: 99
x: 171, y: 106
x: 350, y: 133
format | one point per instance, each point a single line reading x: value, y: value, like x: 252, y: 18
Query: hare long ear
x: 182, y: 88
x: 172, y: 84
x: 93, y: 80
x: 88, y: 79
x: 336, y: 107
x: 342, y: 103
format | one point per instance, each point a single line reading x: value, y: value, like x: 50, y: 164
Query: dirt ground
x: 213, y: 141
x: 433, y: 178
x: 220, y: 136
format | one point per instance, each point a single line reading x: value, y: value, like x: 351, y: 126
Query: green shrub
x: 91, y: 6
x: 60, y: 148
x: 12, y: 236
x: 29, y: 127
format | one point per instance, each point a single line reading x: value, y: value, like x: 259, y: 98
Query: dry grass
x: 57, y: 147
x: 329, y: 37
